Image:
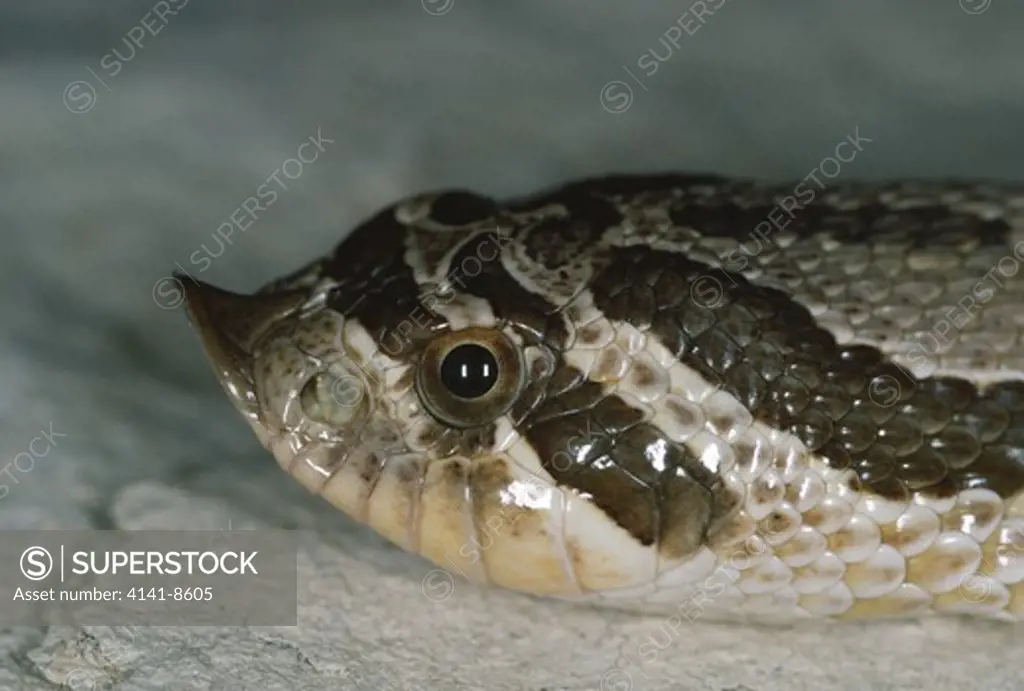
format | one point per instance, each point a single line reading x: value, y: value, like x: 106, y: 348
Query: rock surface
x: 108, y: 185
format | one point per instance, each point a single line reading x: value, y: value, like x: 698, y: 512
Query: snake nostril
x: 333, y: 399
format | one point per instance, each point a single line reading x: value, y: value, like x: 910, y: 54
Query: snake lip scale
x: 664, y: 392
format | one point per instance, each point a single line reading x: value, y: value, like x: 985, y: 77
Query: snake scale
x: 694, y: 393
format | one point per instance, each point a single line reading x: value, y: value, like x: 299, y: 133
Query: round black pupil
x: 469, y: 371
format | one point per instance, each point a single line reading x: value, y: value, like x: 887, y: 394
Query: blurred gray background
x: 110, y: 180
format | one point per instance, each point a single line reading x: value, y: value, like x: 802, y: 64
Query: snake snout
x: 230, y: 326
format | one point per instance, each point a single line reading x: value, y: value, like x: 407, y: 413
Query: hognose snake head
x: 607, y: 393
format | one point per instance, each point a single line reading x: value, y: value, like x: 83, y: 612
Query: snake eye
x: 470, y: 377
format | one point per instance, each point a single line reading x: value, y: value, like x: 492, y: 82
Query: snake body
x: 664, y: 393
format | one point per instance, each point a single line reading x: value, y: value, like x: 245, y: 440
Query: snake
x: 739, y: 399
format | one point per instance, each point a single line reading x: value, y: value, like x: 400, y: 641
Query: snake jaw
x: 230, y: 326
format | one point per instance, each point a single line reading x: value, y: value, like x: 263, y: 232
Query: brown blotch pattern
x: 597, y: 444
x: 922, y: 227
x: 528, y: 312
x: 847, y: 404
x: 377, y: 287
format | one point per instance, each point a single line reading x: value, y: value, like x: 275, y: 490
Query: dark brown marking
x: 923, y: 227
x: 610, y: 362
x: 557, y: 243
x: 848, y: 404
x: 591, y: 208
x: 683, y: 415
x: 377, y: 287
x: 766, y: 490
x: 461, y: 207
x: 777, y: 523
x: 370, y: 467
x: 590, y: 334
x: 643, y: 375
x: 409, y: 470
x: 477, y: 271
x: 602, y: 447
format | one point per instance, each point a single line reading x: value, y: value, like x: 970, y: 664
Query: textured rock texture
x: 106, y: 186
